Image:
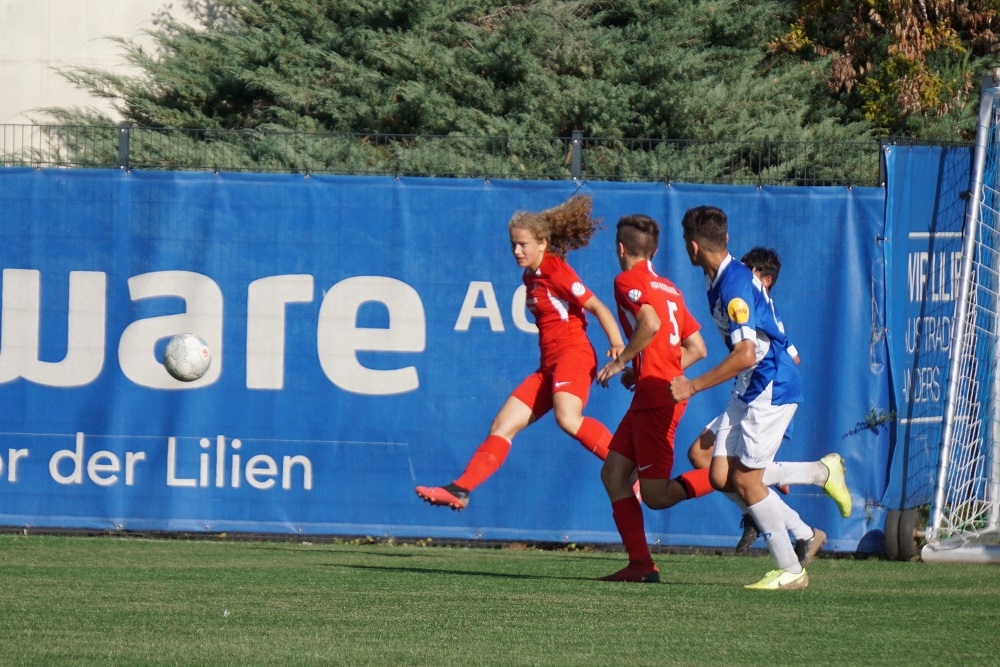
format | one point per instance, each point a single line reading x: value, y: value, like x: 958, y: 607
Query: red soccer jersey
x: 555, y: 296
x: 660, y: 362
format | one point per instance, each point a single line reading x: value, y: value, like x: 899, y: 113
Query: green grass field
x: 117, y: 601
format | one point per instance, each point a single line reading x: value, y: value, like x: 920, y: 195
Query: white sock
x: 736, y: 500
x: 769, y: 514
x: 799, y: 529
x: 793, y: 472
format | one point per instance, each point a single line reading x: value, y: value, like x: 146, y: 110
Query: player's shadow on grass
x: 313, y: 550
x: 470, y: 573
x: 427, y: 553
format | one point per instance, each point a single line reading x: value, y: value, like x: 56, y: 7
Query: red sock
x: 487, y: 460
x: 595, y: 436
x: 628, y: 518
x: 696, y: 483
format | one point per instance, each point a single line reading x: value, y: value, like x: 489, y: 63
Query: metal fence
x: 748, y: 162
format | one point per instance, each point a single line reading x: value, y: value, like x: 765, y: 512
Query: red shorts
x: 571, y: 369
x: 646, y: 437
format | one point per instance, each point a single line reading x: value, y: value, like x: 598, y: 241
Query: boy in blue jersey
x: 827, y: 472
x: 767, y: 392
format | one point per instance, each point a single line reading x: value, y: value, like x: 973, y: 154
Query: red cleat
x: 447, y: 496
x: 635, y: 575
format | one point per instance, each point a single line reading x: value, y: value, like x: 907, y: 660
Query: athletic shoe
x: 807, y: 549
x: 636, y: 491
x: 750, y: 534
x: 836, y: 486
x: 451, y: 496
x: 780, y: 580
x: 781, y: 488
x: 635, y: 575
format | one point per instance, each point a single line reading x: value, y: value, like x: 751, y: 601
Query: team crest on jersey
x: 578, y: 289
x: 634, y: 295
x: 738, y: 310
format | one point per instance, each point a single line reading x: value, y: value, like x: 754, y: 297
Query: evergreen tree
x: 670, y: 70
x: 608, y: 68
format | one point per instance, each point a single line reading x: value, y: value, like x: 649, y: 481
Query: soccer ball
x: 186, y: 357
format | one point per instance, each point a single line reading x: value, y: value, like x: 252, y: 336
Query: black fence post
x: 123, y: 139
x: 883, y: 172
x: 576, y: 148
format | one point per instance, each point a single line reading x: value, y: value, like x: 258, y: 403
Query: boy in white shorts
x: 767, y: 391
x: 827, y: 472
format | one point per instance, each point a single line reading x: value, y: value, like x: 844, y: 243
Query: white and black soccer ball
x: 186, y: 357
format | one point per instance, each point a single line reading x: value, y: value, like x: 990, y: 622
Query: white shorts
x: 752, y: 432
x: 714, y: 425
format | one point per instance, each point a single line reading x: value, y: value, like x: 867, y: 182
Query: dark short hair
x: 707, y: 225
x: 765, y: 260
x: 640, y: 235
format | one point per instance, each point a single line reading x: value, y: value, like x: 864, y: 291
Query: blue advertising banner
x: 364, y: 331
x: 925, y: 216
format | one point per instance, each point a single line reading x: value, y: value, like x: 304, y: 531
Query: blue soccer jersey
x: 742, y: 310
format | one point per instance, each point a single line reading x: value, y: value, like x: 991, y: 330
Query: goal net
x: 964, y: 524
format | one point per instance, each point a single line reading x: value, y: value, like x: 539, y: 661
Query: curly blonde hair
x: 565, y: 227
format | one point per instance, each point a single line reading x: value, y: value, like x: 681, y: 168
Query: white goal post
x: 964, y: 521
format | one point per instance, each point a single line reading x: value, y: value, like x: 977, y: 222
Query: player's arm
x: 606, y: 319
x: 794, y: 353
x: 647, y: 323
x: 693, y: 349
x: 742, y: 357
x: 628, y: 378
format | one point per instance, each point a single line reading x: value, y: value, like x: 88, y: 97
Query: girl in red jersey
x: 559, y: 300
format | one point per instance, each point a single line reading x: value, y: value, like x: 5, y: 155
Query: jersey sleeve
x: 629, y: 293
x: 738, y: 300
x: 566, y: 281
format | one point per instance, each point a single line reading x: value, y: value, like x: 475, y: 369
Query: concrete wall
x: 37, y: 36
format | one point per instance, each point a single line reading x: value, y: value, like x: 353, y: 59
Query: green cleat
x: 776, y: 580
x: 836, y: 485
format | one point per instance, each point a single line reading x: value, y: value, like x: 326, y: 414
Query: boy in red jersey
x: 663, y: 340
x: 559, y: 300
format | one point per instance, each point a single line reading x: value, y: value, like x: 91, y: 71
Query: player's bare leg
x: 827, y: 472
x: 768, y: 510
x: 700, y: 455
x: 616, y: 476
x: 661, y: 494
x: 700, y: 451
x: 567, y: 409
